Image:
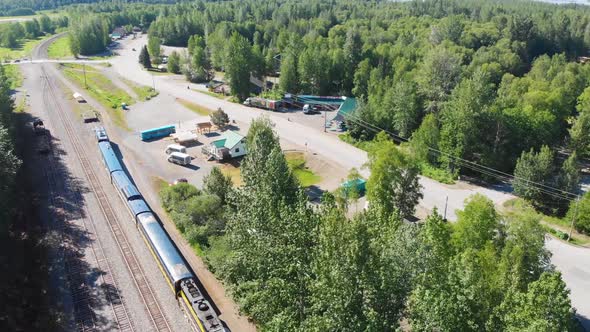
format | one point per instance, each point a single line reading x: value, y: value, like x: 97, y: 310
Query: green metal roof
x: 219, y: 143
x: 348, y: 106
x: 230, y: 140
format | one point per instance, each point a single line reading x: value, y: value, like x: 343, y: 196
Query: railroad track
x: 81, y: 292
x: 158, y: 319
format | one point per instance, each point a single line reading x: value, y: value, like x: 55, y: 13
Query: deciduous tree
x: 394, y: 183
x: 238, y: 65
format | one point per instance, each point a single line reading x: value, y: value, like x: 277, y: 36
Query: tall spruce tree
x: 144, y: 58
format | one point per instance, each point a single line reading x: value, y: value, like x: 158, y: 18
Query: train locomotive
x: 176, y: 272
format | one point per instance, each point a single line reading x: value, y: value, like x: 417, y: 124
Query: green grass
x: 559, y: 227
x: 101, y: 89
x: 436, y: 174
x: 363, y: 145
x: 60, y: 48
x: 204, y: 111
x: 306, y: 177
x: 23, y: 50
x: 233, y: 172
x: 143, y: 92
x: 15, y: 75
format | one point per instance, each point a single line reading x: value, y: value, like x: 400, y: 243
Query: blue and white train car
x: 170, y: 260
x: 109, y: 157
x: 127, y: 189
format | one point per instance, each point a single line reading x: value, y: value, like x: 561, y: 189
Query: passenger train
x: 171, y: 263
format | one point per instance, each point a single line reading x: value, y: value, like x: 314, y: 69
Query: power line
x: 552, y: 191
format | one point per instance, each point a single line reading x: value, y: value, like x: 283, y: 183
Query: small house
x: 231, y: 145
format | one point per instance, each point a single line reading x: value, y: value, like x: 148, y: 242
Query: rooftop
x: 230, y: 139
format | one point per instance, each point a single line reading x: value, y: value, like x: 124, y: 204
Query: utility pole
x: 325, y: 118
x: 446, y: 203
x: 84, y: 68
x: 569, y: 237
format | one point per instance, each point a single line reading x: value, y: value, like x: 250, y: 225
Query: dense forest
x: 293, y: 266
x: 434, y: 72
x: 13, y: 34
x: 431, y: 72
x: 28, y: 7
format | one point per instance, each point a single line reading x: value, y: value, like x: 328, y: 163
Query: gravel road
x: 100, y: 256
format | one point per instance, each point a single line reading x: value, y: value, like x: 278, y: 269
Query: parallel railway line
x: 159, y: 320
x: 82, y: 299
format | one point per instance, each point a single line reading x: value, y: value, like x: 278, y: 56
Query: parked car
x: 177, y: 181
x: 175, y: 148
x: 179, y: 158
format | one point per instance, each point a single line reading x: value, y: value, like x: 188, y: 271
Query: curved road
x: 330, y: 147
x: 573, y: 262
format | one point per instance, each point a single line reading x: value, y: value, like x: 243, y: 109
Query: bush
x: 196, y: 235
x: 582, y: 215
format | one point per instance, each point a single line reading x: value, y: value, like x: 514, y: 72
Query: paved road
x: 574, y: 264
x: 435, y: 194
x: 330, y: 147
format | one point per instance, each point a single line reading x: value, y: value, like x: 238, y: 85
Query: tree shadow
x: 314, y: 193
x: 68, y: 233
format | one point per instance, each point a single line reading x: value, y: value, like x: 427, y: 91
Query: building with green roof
x: 230, y: 145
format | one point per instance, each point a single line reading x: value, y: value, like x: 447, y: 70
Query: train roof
x: 169, y: 255
x: 109, y: 157
x: 138, y: 206
x: 123, y: 183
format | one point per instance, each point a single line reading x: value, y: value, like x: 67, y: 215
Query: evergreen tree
x: 144, y: 58
x: 216, y: 183
x: 219, y: 118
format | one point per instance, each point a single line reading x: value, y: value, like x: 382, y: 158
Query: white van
x: 175, y: 148
x: 179, y: 158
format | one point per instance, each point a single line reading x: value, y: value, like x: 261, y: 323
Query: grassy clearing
x: 15, y: 75
x: 143, y: 92
x: 60, y: 48
x: 306, y: 177
x: 436, y: 174
x: 233, y: 172
x: 101, y: 89
x: 23, y: 50
x: 559, y: 227
x: 363, y: 145
x: 204, y: 111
